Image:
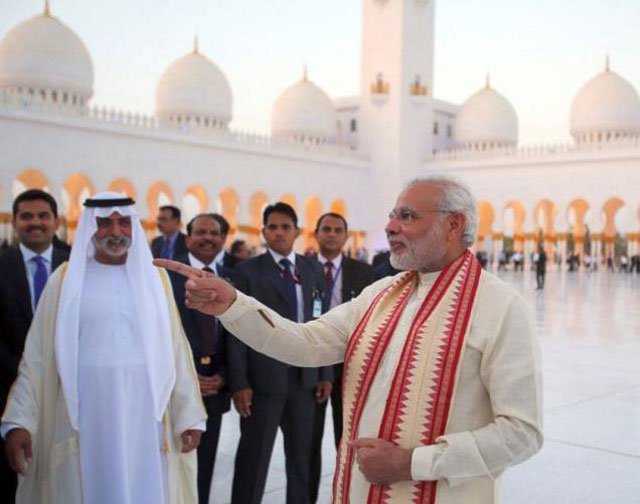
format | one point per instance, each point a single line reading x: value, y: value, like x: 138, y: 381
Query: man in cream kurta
x: 107, y: 398
x: 494, y: 419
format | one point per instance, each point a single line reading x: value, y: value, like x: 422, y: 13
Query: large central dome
x: 43, y: 54
x: 194, y: 90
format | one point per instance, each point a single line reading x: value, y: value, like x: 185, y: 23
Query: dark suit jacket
x: 356, y: 275
x: 179, y: 250
x: 229, y: 261
x: 15, y: 312
x: 220, y: 402
x: 260, y: 278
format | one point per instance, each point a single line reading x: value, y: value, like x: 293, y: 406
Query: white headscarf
x: 150, y: 306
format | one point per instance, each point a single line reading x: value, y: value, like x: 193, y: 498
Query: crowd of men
x: 118, y: 373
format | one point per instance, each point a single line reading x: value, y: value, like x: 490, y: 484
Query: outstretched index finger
x: 178, y: 267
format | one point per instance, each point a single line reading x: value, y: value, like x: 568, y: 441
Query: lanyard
x: 333, y: 283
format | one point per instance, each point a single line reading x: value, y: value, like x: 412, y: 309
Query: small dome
x: 487, y: 120
x: 42, y: 53
x: 605, y: 108
x: 304, y: 112
x: 193, y: 89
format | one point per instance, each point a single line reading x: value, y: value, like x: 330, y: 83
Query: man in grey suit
x: 344, y: 279
x: 267, y: 393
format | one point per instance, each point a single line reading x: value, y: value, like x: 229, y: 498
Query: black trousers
x: 293, y: 413
x: 540, y: 279
x: 8, y: 478
x: 207, y: 456
x: 315, y: 466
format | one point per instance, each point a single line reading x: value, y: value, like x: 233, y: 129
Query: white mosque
x: 347, y: 154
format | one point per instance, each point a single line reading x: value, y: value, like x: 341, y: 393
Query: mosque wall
x: 111, y: 155
x: 558, y: 197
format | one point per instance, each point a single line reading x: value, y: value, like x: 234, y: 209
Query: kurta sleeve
x: 511, y: 373
x: 320, y: 342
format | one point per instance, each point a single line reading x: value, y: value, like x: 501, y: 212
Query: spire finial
x: 607, y: 64
x: 487, y: 81
x: 196, y: 45
x: 47, y: 9
x: 305, y: 73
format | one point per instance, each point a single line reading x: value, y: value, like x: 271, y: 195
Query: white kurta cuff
x: 238, y: 308
x: 422, y: 460
x: 7, y: 427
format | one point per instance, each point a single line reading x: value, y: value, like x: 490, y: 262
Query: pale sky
x: 539, y: 52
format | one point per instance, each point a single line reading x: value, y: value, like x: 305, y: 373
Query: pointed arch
x: 339, y: 206
x: 194, y: 202
x: 159, y: 194
x: 577, y: 217
x: 486, y: 216
x: 290, y: 199
x: 544, y: 215
x: 77, y: 187
x: 31, y: 178
x: 123, y: 186
x: 229, y: 205
x: 610, y: 213
x: 312, y: 211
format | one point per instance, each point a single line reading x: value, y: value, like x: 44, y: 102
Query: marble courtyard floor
x: 589, y: 329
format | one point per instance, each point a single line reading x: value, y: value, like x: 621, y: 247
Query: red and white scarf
x: 419, y: 401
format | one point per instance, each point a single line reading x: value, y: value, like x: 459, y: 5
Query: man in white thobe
x: 442, y: 383
x: 106, y: 407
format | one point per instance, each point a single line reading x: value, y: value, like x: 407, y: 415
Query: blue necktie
x: 165, y: 253
x: 39, y: 278
x: 290, y: 282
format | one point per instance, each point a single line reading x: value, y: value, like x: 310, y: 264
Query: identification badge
x: 317, y: 307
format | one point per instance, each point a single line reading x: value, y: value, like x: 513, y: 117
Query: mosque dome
x: 304, y: 112
x: 194, y: 91
x: 607, y: 107
x: 487, y: 120
x: 42, y: 56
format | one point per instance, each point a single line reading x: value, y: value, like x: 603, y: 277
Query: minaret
x: 396, y: 109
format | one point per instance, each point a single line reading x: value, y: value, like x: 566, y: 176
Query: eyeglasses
x: 408, y: 215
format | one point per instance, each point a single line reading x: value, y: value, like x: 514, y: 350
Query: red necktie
x: 328, y: 275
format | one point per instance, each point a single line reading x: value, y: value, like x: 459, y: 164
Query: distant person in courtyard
x: 541, y: 268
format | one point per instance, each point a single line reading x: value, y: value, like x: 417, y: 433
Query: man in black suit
x: 24, y: 271
x: 268, y: 393
x: 344, y: 279
x: 207, y: 338
x: 171, y: 243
